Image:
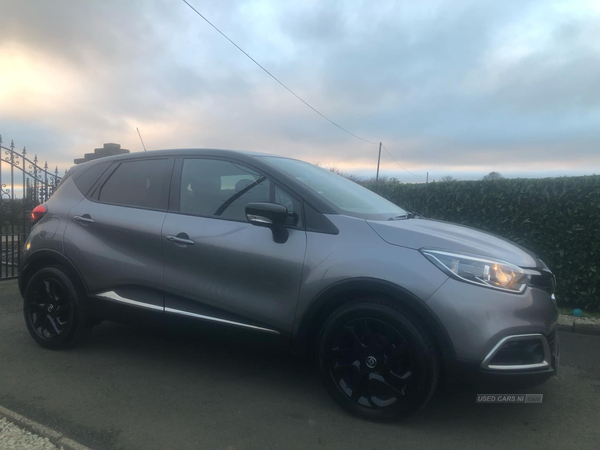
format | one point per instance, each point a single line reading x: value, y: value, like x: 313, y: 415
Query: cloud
x: 454, y: 87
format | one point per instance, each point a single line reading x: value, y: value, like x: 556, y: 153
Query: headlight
x: 480, y: 270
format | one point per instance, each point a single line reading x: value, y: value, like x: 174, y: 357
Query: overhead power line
x: 403, y: 168
x: 292, y: 92
x: 276, y: 79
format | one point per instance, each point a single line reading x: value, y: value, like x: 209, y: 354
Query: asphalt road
x: 137, y: 389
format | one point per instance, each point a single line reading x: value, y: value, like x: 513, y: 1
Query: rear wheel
x: 377, y: 361
x: 53, y: 309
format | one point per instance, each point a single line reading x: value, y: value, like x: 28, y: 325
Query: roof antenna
x: 138, y: 130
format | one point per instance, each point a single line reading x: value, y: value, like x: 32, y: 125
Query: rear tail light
x: 37, y: 213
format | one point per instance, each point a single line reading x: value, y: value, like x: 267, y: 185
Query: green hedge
x: 557, y: 218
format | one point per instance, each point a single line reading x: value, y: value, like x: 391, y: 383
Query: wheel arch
x: 44, y: 258
x: 336, y: 295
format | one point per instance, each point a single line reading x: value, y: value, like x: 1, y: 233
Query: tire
x: 54, y: 310
x: 377, y: 361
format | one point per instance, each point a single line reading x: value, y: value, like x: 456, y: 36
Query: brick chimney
x: 106, y: 150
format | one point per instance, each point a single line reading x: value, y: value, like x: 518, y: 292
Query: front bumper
x: 477, y: 319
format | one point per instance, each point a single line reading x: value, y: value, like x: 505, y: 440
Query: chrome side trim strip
x: 215, y: 319
x: 112, y: 295
x: 518, y: 337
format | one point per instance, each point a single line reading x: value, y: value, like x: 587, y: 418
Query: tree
x: 447, y: 178
x: 493, y: 176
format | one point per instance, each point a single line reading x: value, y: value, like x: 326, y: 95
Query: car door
x: 114, y: 238
x: 218, y: 266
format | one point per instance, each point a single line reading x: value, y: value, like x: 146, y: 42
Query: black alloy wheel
x: 49, y: 310
x: 53, y: 312
x: 377, y: 361
x: 371, y: 362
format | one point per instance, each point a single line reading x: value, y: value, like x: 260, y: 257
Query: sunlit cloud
x: 33, y: 85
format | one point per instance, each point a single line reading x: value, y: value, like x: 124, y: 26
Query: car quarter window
x: 135, y: 183
x: 88, y: 177
x: 212, y: 187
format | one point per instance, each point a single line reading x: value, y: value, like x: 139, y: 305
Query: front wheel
x: 377, y: 361
x: 53, y: 309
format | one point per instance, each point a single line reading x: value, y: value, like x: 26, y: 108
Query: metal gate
x: 23, y: 185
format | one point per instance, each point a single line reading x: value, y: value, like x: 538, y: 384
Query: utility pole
x: 378, y: 160
x: 427, y: 178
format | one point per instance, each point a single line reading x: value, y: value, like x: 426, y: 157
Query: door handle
x: 85, y: 218
x: 180, y: 240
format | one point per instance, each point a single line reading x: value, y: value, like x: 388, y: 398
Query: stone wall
x: 106, y: 150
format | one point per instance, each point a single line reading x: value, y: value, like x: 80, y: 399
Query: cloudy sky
x: 451, y: 88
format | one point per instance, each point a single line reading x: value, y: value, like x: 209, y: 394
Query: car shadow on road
x: 264, y: 366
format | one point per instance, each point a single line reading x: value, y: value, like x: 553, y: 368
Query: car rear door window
x: 135, y: 183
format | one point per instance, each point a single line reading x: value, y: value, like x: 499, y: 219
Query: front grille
x: 545, y: 282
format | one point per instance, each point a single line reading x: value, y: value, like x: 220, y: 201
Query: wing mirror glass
x: 269, y: 215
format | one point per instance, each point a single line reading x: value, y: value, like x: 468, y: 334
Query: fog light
x: 513, y: 353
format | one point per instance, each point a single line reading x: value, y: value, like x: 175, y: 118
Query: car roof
x: 189, y: 152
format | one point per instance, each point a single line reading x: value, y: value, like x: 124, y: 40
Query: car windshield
x: 345, y: 195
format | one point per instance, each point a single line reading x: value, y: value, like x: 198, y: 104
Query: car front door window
x: 218, y: 188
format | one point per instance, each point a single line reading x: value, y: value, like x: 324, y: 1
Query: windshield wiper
x: 408, y: 215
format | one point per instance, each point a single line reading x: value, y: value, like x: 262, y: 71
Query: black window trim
x: 94, y: 192
x: 175, y: 190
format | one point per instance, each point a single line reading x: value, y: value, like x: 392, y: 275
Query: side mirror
x: 269, y: 215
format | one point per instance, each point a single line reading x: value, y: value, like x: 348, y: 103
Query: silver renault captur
x: 388, y: 301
